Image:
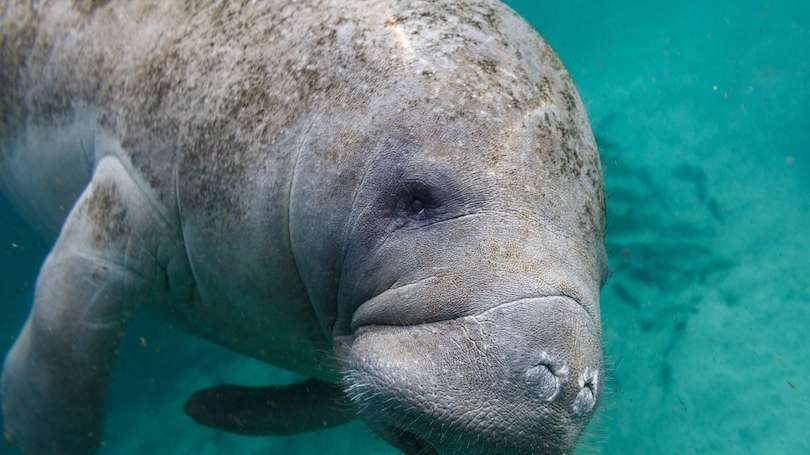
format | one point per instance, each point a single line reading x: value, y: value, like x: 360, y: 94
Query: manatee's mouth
x: 520, y: 378
x: 404, y: 440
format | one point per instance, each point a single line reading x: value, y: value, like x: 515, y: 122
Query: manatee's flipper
x: 115, y: 253
x: 263, y: 411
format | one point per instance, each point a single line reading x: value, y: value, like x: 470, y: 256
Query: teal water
x: 702, y: 114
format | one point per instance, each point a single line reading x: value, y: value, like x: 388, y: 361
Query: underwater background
x: 701, y: 110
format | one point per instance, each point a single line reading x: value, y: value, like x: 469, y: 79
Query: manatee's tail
x: 271, y: 411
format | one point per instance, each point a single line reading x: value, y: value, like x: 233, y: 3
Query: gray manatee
x: 401, y: 200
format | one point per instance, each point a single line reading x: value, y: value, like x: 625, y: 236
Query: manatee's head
x: 468, y: 319
x: 453, y: 208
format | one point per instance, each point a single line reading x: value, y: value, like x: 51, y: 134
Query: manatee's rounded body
x: 403, y: 198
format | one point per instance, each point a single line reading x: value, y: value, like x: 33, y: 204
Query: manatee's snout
x: 524, y: 377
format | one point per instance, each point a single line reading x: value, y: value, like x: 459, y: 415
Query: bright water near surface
x: 702, y: 113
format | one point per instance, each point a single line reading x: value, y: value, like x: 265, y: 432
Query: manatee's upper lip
x: 395, y: 307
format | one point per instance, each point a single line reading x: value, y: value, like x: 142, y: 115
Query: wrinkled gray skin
x: 402, y: 197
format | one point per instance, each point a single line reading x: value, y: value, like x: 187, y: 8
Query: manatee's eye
x: 417, y: 203
x: 417, y: 206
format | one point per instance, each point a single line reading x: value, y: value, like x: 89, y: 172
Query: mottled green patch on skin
x: 19, y: 22
x: 107, y: 211
x: 88, y: 6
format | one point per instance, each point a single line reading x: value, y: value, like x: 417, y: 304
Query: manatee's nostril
x: 545, y: 378
x: 586, y: 398
x: 543, y: 382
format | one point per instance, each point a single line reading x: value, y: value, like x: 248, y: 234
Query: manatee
x: 400, y: 200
